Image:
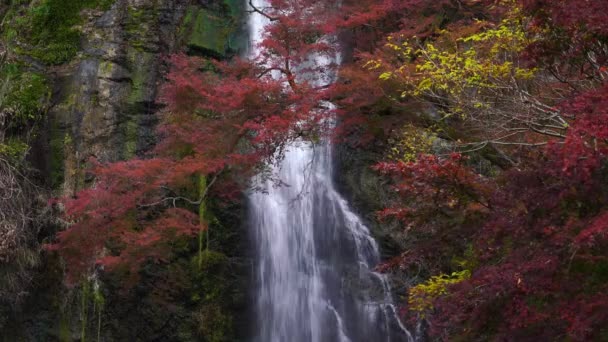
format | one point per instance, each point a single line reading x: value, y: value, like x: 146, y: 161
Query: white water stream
x: 314, y: 257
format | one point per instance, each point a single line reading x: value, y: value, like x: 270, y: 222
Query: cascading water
x: 314, y: 278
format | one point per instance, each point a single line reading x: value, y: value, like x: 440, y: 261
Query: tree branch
x: 254, y: 9
x: 174, y: 199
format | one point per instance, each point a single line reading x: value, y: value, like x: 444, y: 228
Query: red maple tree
x: 222, y: 120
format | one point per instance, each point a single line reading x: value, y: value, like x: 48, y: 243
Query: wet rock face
x: 105, y: 99
x: 368, y: 192
x: 104, y: 104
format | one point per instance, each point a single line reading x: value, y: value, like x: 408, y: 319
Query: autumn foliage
x: 505, y: 210
x: 222, y: 121
x: 532, y: 230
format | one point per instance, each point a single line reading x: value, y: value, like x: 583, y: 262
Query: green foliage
x: 14, y: 150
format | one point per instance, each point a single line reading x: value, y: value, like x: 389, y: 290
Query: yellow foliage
x: 411, y: 142
x: 456, y: 67
x: 421, y: 296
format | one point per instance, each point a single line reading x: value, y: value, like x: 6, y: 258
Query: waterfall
x: 314, y: 256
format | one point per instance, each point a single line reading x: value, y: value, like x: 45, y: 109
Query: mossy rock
x: 25, y: 97
x: 206, y: 33
x: 235, y: 7
x: 213, y: 324
x: 48, y: 29
x: 212, y: 262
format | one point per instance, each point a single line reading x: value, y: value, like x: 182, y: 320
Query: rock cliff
x: 80, y: 80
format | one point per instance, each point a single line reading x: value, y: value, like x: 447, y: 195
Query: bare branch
x: 254, y: 9
x: 174, y: 199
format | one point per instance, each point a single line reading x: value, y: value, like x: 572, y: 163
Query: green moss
x: 107, y: 68
x: 135, y: 14
x: 142, y: 78
x: 131, y: 137
x: 138, y: 24
x: 64, y: 329
x: 84, y: 296
x: 141, y: 74
x: 213, y: 320
x: 214, y: 324
x: 235, y: 8
x: 25, y: 95
x: 184, y: 28
x: 213, y: 262
x: 205, y: 32
x: 57, y: 155
x: 98, y: 306
x: 47, y: 28
x: 90, y: 303
x: 209, y: 268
